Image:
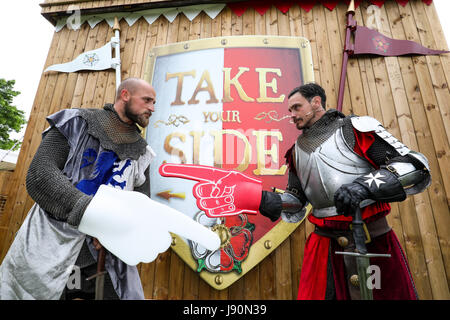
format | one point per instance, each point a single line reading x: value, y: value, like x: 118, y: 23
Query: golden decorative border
x: 301, y: 43
x: 281, y: 231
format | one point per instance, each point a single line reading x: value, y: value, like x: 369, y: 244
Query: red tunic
x: 396, y: 280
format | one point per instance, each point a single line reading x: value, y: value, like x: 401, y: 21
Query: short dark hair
x: 309, y: 91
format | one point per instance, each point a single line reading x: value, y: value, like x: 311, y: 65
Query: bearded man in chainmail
x: 90, y: 181
x: 337, y: 164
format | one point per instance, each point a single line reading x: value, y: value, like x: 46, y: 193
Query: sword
x: 361, y: 255
x: 100, y: 275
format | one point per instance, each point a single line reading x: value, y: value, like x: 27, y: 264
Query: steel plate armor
x: 324, y: 170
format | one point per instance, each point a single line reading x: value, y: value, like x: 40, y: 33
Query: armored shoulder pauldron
x: 367, y: 124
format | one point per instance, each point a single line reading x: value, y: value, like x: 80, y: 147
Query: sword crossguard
x: 362, y: 265
x: 366, y: 255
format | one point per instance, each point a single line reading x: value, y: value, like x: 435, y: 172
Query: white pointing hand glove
x: 135, y: 228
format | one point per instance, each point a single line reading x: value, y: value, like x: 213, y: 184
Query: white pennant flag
x: 98, y: 59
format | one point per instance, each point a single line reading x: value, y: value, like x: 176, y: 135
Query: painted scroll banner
x: 223, y: 102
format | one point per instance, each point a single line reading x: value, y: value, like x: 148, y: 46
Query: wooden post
x: 348, y: 50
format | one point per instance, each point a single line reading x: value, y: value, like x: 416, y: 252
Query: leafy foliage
x: 11, y: 118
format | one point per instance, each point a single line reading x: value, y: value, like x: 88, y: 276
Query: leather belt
x: 374, y: 229
x: 344, y: 238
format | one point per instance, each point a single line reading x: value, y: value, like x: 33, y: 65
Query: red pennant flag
x: 368, y: 41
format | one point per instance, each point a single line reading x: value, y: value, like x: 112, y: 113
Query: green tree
x: 11, y: 118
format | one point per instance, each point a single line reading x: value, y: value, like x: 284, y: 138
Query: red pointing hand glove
x: 220, y: 192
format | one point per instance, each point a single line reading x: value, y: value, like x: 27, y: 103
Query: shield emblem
x: 222, y: 102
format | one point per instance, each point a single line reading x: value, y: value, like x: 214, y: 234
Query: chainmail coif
x: 114, y: 134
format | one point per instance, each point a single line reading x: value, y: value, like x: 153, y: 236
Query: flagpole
x: 101, y: 258
x: 348, y: 50
x: 116, y: 44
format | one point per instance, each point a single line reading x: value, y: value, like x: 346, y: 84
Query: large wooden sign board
x: 223, y: 102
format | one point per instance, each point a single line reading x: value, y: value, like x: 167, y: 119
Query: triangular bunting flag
x: 60, y: 24
x: 150, y: 18
x: 329, y: 4
x: 192, y: 11
x: 213, y: 10
x: 284, y: 6
x: 402, y: 2
x: 261, y: 6
x: 93, y: 21
x: 238, y: 8
x: 132, y: 18
x: 152, y: 15
x: 378, y: 3
x: 307, y: 4
x: 75, y: 22
x: 170, y: 14
x: 110, y: 21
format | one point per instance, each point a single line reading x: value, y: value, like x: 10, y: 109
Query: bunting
x: 403, y: 2
x: 212, y: 10
x: 151, y: 15
x: 262, y: 6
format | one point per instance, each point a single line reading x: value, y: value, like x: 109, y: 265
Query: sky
x: 26, y: 36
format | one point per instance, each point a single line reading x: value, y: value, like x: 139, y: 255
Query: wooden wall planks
x: 409, y: 95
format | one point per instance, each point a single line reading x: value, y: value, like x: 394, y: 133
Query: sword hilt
x: 358, y: 232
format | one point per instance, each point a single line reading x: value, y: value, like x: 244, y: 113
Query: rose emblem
x: 236, y: 234
x: 380, y: 43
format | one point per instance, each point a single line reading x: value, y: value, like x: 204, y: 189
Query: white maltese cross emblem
x: 376, y: 179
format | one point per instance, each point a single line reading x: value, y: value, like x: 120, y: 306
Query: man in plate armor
x: 345, y: 167
x: 341, y: 164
